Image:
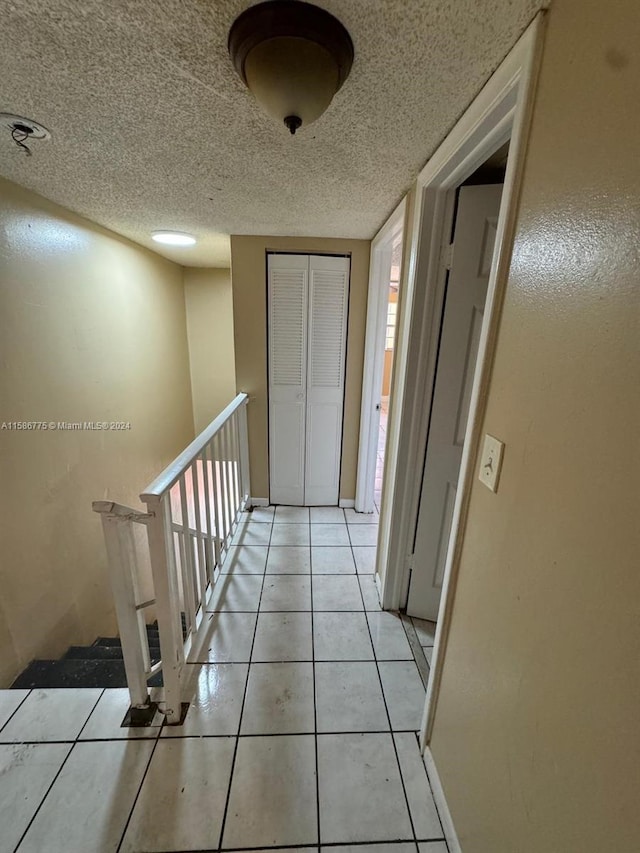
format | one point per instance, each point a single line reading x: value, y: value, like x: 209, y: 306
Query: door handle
x: 299, y: 396
x: 377, y: 407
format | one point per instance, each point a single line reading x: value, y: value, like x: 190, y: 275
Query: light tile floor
x: 301, y: 731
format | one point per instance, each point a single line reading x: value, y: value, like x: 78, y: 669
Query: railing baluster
x: 202, y: 576
x: 223, y: 487
x: 180, y: 552
x: 163, y: 567
x: 211, y: 564
x: 214, y: 497
x: 190, y: 590
x: 229, y: 491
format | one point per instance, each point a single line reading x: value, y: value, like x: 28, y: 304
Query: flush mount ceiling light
x: 173, y: 238
x: 292, y: 56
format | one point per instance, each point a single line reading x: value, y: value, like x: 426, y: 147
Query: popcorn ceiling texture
x: 153, y: 129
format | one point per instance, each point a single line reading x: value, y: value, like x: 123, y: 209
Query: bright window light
x: 173, y: 238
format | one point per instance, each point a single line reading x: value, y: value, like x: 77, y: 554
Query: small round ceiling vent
x: 23, y: 130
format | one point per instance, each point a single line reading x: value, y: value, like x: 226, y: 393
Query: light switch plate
x: 491, y: 462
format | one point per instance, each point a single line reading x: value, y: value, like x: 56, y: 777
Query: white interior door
x: 328, y: 305
x: 288, y: 279
x: 308, y: 305
x: 473, y: 244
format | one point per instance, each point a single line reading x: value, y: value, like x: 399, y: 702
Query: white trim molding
x: 441, y: 803
x: 259, y: 501
x: 379, y: 277
x: 501, y: 112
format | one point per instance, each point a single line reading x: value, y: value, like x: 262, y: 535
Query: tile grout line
x: 386, y: 707
x: 219, y: 737
x: 315, y: 698
x: 288, y: 575
x: 289, y: 660
x: 91, y: 713
x: 297, y: 847
x: 244, y: 699
x: 135, y: 799
x: 47, y: 792
x: 17, y: 708
x: 360, y: 610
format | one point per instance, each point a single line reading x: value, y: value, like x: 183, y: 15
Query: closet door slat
x: 288, y: 277
x: 328, y: 308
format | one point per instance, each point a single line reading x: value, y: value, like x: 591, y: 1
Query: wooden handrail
x: 177, y: 468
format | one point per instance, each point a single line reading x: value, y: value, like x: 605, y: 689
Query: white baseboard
x: 441, y: 803
x: 347, y: 503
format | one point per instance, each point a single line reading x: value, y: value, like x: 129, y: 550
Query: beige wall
x: 248, y: 270
x: 207, y: 294
x: 536, y: 736
x: 91, y: 328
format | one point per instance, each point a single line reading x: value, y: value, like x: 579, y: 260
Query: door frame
x: 449, y: 287
x: 379, y: 276
x: 500, y: 112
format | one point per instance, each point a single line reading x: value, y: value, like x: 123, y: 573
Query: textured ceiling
x: 153, y: 129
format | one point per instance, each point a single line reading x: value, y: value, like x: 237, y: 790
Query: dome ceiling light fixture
x: 292, y: 56
x: 173, y: 238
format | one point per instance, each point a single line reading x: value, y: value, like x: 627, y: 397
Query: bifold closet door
x: 288, y: 292
x: 308, y: 303
x: 328, y: 305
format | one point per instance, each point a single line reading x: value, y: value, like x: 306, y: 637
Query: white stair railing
x: 193, y: 508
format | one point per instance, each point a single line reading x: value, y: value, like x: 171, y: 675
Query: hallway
x: 301, y: 732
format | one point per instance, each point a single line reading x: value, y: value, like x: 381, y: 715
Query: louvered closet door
x: 328, y: 303
x: 288, y: 277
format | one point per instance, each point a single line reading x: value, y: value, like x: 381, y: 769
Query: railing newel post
x: 244, y: 456
x: 163, y: 569
x: 118, y: 537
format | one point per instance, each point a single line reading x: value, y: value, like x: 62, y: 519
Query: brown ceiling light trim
x: 292, y: 56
